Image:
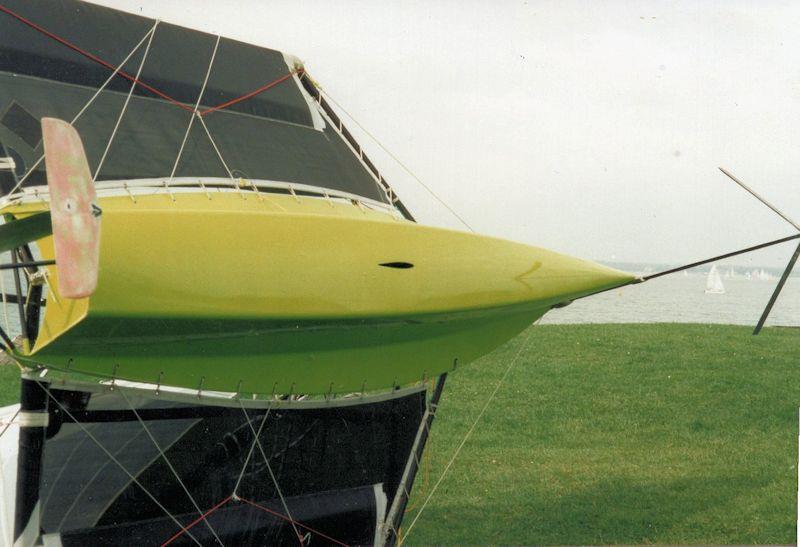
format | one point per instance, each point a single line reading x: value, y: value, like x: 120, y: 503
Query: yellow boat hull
x: 277, y: 294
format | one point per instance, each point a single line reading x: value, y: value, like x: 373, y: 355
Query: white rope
x: 250, y: 452
x: 395, y: 158
x: 169, y: 191
x: 280, y: 493
x: 11, y: 421
x: 467, y: 436
x: 88, y: 104
x: 359, y: 152
x: 194, y: 113
x: 125, y: 105
x: 87, y: 485
x: 51, y: 294
x: 171, y: 468
x: 272, y: 475
x: 219, y: 154
x: 116, y: 461
x: 64, y: 464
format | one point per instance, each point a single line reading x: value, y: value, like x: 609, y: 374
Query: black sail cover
x: 55, y: 54
x: 137, y: 470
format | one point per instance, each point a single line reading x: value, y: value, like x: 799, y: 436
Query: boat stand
x: 33, y: 420
x: 395, y: 516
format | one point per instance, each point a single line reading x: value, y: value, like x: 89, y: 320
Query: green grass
x: 9, y: 385
x: 615, y: 434
x: 620, y: 434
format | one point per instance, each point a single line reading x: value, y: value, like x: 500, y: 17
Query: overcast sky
x: 592, y: 128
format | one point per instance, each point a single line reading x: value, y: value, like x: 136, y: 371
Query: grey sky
x: 592, y: 128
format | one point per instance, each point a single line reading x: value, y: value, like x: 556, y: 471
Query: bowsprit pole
x: 670, y: 271
x: 789, y: 267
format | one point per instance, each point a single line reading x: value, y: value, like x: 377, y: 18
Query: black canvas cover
x: 338, y: 469
x: 54, y: 55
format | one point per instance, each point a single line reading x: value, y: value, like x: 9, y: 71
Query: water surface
x: 682, y: 299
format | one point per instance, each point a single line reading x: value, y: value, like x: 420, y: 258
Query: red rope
x: 257, y: 506
x: 253, y: 93
x: 93, y: 57
x: 139, y: 82
x: 287, y: 519
x: 195, y: 521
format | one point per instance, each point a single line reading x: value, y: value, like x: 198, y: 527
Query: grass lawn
x: 620, y: 434
x: 9, y: 385
x: 615, y: 434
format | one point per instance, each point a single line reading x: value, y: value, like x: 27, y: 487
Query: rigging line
x: 271, y: 474
x: 216, y: 149
x: 136, y: 79
x: 638, y: 280
x: 249, y: 452
x: 395, y: 158
x: 720, y: 257
x: 125, y: 105
x: 253, y: 93
x: 87, y: 485
x: 335, y: 120
x: 467, y: 436
x: 195, y: 521
x: 11, y: 421
x: 284, y: 517
x: 51, y: 293
x: 65, y: 463
x: 759, y: 198
x: 91, y: 56
x: 194, y: 110
x: 171, y: 467
x: 116, y: 461
x: 89, y: 102
x: 200, y: 98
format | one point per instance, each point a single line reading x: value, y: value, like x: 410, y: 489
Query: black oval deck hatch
x: 398, y: 265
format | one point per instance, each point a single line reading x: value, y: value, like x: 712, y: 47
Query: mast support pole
x: 398, y: 508
x: 778, y: 288
x: 33, y: 420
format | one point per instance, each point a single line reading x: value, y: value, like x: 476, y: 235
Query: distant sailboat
x: 714, y: 282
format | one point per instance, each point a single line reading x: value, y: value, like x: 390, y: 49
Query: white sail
x: 714, y: 282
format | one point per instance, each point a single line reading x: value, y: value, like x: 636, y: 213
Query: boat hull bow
x: 277, y: 294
